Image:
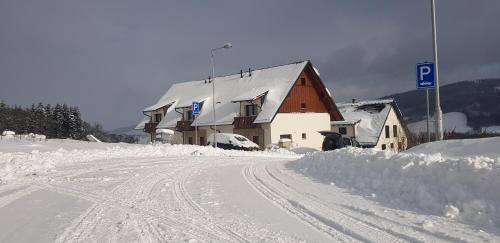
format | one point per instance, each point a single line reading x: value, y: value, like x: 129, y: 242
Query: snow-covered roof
x: 371, y: 116
x: 274, y: 82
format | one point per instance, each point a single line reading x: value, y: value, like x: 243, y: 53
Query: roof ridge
x: 268, y: 67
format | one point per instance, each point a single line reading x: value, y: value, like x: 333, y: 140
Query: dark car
x: 335, y: 140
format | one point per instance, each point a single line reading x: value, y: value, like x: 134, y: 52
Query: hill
x: 479, y: 100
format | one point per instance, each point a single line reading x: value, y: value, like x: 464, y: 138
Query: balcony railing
x: 183, y: 126
x: 243, y: 122
x: 150, y: 127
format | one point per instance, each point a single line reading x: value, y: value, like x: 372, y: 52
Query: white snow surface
x: 456, y: 178
x: 274, y: 81
x: 451, y: 121
x: 70, y: 191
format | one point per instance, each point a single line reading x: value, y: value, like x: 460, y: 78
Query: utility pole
x: 438, y: 116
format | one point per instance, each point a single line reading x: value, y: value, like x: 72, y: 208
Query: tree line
x: 58, y: 121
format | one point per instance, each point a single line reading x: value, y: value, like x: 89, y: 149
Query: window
x: 190, y: 140
x: 387, y: 135
x: 158, y: 117
x: 383, y: 147
x: 202, y: 140
x: 304, y: 136
x: 303, y: 105
x: 251, y: 110
x: 343, y: 130
x: 189, y: 115
x: 255, y: 139
x: 302, y: 81
x: 289, y: 136
x: 395, y: 130
x: 392, y: 146
x: 400, y: 146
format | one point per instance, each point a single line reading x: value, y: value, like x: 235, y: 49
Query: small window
x: 189, y: 115
x: 251, y: 110
x: 302, y: 81
x: 303, y: 105
x: 383, y: 147
x: 343, y: 130
x: 387, y: 135
x: 157, y: 117
x: 395, y: 130
x: 392, y: 146
x: 190, y: 140
x: 255, y: 139
x: 304, y: 136
x: 289, y: 136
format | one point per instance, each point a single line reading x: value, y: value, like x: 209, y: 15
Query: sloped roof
x: 275, y: 82
x: 372, y: 116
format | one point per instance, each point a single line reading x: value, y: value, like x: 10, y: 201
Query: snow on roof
x: 276, y: 81
x: 371, y: 114
x: 252, y: 94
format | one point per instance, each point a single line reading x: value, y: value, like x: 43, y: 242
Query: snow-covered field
x: 456, y: 121
x: 67, y: 191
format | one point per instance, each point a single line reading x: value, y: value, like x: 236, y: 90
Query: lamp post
x: 225, y: 46
x: 438, y: 116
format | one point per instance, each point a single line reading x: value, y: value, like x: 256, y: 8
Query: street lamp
x: 225, y: 46
x: 438, y: 116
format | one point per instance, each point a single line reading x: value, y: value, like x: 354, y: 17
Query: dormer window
x: 189, y: 115
x: 157, y: 117
x: 251, y: 110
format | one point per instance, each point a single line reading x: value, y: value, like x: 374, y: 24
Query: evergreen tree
x: 40, y: 119
x: 31, y: 125
x: 49, y: 122
x: 58, y: 118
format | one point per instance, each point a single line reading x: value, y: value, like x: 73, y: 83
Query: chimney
x: 205, y: 81
x: 249, y: 72
x: 354, y: 100
x: 209, y: 79
x: 241, y: 73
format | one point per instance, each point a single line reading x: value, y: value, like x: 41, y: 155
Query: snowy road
x: 204, y: 199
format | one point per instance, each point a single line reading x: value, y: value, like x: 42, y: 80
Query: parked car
x: 335, y: 140
x: 232, y: 141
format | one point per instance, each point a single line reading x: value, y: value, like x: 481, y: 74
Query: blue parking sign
x: 196, y: 108
x: 425, y: 75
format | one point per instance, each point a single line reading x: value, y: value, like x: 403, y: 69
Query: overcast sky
x: 113, y: 58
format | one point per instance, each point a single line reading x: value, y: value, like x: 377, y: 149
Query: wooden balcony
x: 150, y: 127
x: 184, y: 126
x: 245, y: 122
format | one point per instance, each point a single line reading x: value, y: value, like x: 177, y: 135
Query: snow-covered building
x: 265, y: 105
x: 377, y: 123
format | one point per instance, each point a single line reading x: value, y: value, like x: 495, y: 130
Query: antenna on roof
x: 209, y: 79
x: 241, y: 73
x: 249, y: 72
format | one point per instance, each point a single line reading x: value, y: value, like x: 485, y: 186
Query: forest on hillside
x: 53, y: 121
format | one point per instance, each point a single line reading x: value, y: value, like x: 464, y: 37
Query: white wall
x: 298, y: 123
x: 400, y: 140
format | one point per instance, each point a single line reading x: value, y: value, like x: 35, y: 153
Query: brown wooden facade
x: 309, y: 95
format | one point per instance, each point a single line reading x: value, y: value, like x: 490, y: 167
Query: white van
x: 232, y: 141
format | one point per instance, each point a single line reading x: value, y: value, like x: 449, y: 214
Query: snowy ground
x: 81, y: 192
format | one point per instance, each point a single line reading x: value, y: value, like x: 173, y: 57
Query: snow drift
x: 464, y: 185
x: 18, y: 165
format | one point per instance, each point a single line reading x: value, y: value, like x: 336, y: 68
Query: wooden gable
x: 309, y: 94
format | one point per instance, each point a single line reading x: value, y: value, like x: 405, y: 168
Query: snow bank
x: 456, y: 186
x: 15, y: 165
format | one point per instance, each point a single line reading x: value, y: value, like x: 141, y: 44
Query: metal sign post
x: 195, y: 108
x: 425, y: 80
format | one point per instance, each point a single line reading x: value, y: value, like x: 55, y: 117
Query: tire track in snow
x: 16, y: 194
x: 334, y: 233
